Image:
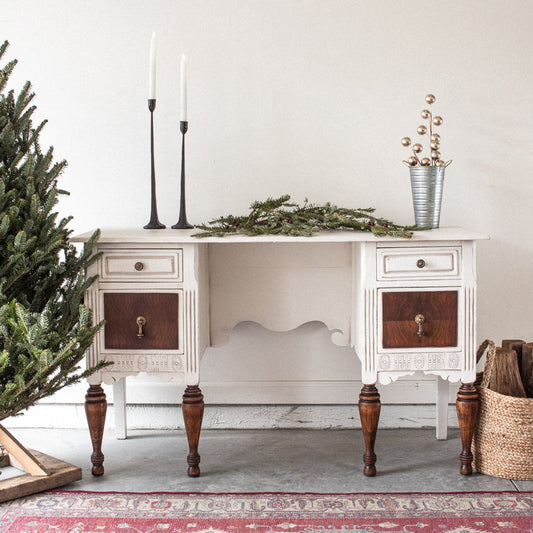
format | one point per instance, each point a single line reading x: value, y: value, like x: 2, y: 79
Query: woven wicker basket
x: 503, y: 438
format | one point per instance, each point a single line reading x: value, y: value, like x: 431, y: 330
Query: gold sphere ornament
x: 431, y: 152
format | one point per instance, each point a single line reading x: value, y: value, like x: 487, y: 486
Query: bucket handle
x: 489, y: 362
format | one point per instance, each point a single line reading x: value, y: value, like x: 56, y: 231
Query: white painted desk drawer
x: 140, y: 265
x: 421, y: 263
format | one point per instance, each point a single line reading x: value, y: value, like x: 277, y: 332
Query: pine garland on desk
x: 279, y: 216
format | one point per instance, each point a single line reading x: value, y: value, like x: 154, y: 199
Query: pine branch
x: 279, y: 216
x: 6, y: 71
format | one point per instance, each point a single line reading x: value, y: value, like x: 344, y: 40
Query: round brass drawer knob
x: 420, y: 263
x: 139, y: 266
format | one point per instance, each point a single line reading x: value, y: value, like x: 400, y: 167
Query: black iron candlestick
x: 154, y: 221
x: 182, y: 221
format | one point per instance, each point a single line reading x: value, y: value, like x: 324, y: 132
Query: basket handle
x: 489, y: 362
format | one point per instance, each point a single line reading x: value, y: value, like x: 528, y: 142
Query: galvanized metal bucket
x: 426, y: 185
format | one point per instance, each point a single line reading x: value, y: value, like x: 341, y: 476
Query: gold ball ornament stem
x: 434, y: 139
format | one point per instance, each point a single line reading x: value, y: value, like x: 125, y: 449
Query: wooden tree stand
x: 42, y: 471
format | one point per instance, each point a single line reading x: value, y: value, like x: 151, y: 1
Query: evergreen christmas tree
x: 44, y: 326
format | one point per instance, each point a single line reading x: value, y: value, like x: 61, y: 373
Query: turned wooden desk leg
x: 369, y: 408
x: 95, y: 410
x: 467, y: 408
x: 193, y: 413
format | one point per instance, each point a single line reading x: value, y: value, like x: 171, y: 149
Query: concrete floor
x: 409, y: 460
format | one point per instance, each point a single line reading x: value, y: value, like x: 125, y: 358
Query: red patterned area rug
x: 97, y: 512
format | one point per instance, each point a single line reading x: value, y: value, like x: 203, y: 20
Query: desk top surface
x: 172, y: 236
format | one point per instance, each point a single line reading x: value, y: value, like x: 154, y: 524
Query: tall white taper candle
x: 151, y: 77
x: 183, y: 78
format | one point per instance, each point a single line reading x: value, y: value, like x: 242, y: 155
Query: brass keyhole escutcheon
x: 139, y: 266
x: 420, y: 319
x: 420, y: 263
x: 141, y: 321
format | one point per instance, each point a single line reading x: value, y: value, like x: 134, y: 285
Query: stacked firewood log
x: 512, y: 373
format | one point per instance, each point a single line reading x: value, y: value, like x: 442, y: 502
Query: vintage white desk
x: 404, y: 305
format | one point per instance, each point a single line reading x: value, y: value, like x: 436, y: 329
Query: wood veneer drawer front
x: 140, y: 265
x: 161, y: 315
x: 405, y: 263
x: 439, y: 312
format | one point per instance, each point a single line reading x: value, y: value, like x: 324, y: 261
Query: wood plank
x: 527, y: 368
x: 61, y: 473
x: 516, y: 345
x: 27, y: 461
x: 506, y: 375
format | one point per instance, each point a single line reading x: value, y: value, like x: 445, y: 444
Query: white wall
x: 305, y: 97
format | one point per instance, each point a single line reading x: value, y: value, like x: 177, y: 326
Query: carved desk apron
x: 404, y: 305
